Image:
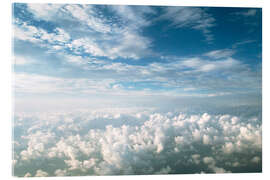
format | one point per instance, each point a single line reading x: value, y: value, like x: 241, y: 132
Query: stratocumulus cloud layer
x: 125, y: 141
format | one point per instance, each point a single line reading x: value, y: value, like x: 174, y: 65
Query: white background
x: 6, y: 98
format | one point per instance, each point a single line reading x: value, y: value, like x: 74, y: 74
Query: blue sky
x: 98, y: 55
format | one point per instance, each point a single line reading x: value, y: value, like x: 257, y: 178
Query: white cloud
x: 159, y: 143
x: 206, y: 139
x: 81, y: 13
x: 165, y: 170
x: 89, y: 163
x: 76, y: 60
x: 40, y: 37
x: 33, y: 83
x: 228, y: 147
x: 208, y: 160
x: 225, y: 65
x: 26, y: 33
x: 132, y: 45
x: 59, y: 172
x: 73, y: 164
x: 248, y: 13
x: 86, y: 15
x: 88, y: 45
x: 218, y: 54
x: 21, y: 60
x: 36, y: 145
x: 41, y: 173
x: 192, y: 62
x: 121, y: 39
x: 240, y: 43
x: 44, y: 11
x: 126, y: 44
x: 212, y: 165
x: 27, y: 175
x: 195, y: 18
x: 174, y: 75
x: 135, y: 15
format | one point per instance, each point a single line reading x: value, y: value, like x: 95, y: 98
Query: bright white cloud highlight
x: 108, y: 37
x: 156, y: 143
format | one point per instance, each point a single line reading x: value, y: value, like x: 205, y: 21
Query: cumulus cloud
x: 137, y: 143
x: 27, y: 175
x: 36, y: 144
x: 60, y: 172
x: 211, y: 164
x: 41, y: 173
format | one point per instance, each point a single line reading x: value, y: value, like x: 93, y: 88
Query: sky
x: 100, y: 55
x: 131, y: 90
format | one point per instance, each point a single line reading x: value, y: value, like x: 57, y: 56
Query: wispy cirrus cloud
x: 110, y: 38
x: 136, y: 16
x: 86, y: 15
x: 40, y: 36
x: 221, y: 53
x: 195, y: 18
x: 241, y: 43
x: 247, y: 13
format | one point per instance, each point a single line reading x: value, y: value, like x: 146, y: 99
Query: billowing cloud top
x: 132, y: 141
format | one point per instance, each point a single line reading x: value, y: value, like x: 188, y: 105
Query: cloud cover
x: 125, y: 141
x: 66, y: 53
x: 94, y: 34
x: 83, y: 49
